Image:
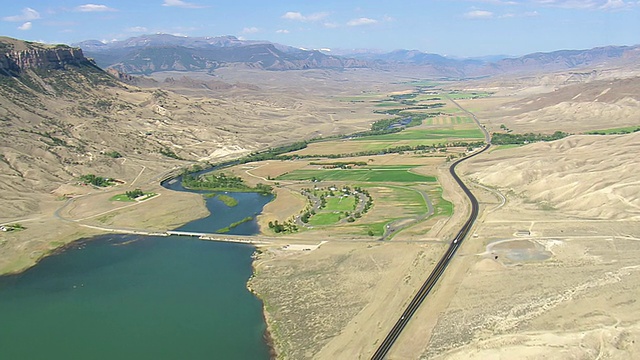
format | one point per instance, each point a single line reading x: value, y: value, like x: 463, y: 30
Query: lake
x: 131, y: 297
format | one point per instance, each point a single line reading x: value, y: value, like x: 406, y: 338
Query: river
x: 131, y: 297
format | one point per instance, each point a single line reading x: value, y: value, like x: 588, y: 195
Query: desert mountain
x: 161, y: 52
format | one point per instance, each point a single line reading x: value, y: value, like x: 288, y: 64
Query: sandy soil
x: 550, y: 273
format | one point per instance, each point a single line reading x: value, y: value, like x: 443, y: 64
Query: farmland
x: 366, y: 174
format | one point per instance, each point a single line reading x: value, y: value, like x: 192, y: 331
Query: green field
x: 377, y: 229
x: 441, y: 207
x: 325, y: 218
x: 125, y: 198
x: 340, y: 203
x: 413, y: 203
x: 615, y: 131
x: 464, y: 95
x: 370, y: 174
x: 121, y: 197
x: 427, y: 134
x: 505, y: 147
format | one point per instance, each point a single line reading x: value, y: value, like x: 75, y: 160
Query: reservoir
x: 132, y: 297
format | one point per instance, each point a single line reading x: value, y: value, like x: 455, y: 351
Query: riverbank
x: 61, y: 222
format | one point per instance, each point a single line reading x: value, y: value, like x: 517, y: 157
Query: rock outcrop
x: 14, y: 61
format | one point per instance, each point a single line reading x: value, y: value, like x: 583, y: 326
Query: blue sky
x: 448, y: 27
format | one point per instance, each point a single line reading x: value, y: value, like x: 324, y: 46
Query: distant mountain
x: 569, y: 59
x: 151, y: 53
x: 500, y: 64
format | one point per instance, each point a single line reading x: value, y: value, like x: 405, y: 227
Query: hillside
x: 63, y: 116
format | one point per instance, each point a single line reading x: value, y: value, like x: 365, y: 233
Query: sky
x: 464, y: 28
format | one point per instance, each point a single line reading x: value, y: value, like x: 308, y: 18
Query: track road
x: 431, y: 281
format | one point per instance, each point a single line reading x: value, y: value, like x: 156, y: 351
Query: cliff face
x: 13, y: 62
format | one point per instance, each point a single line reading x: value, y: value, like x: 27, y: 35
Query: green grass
x: 227, y: 200
x: 380, y: 174
x: 125, y: 198
x: 340, y: 203
x: 441, y: 207
x: 617, y: 131
x: 427, y: 134
x: 325, y: 218
x: 467, y: 95
x: 376, y: 228
x: 121, y: 197
x: 504, y: 147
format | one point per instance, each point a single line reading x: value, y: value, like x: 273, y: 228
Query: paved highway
x: 431, y: 281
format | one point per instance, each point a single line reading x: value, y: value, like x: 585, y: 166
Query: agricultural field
x: 364, y: 174
x: 449, y: 134
x: 615, y: 131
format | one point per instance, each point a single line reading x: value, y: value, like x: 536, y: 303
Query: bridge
x: 217, y: 237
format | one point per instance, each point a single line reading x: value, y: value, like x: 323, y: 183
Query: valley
x: 365, y: 206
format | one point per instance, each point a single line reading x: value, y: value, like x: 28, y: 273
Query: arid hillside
x: 64, y: 117
x: 573, y: 102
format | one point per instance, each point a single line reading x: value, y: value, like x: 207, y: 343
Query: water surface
x: 129, y: 297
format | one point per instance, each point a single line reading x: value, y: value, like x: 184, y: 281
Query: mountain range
x: 162, y: 52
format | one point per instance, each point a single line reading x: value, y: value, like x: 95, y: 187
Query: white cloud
x: 331, y: 25
x: 478, y: 14
x: 93, y: 8
x: 519, y: 15
x: 250, y: 30
x: 182, y: 4
x: 361, y: 21
x: 614, y: 4
x: 25, y: 26
x: 26, y: 15
x: 497, y: 2
x: 292, y: 15
x: 588, y: 4
x: 282, y: 31
x: 138, y: 29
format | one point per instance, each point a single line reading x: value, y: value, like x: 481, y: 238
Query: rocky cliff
x: 16, y: 59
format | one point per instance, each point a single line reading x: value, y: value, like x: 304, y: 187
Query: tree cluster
x: 91, y: 179
x: 520, y: 139
x: 133, y: 194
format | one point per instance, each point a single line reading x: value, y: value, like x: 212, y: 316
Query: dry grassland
x: 551, y: 272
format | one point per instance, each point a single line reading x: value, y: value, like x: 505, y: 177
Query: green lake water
x: 130, y: 297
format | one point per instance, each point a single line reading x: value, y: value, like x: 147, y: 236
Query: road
x: 431, y: 281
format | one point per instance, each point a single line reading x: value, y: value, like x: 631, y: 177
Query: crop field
x: 427, y: 134
x: 621, y: 130
x: 364, y: 175
x: 448, y: 120
x: 466, y: 95
x: 412, y: 201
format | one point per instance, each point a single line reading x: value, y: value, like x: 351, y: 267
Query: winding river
x: 131, y: 297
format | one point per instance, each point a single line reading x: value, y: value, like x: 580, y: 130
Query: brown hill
x: 62, y: 117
